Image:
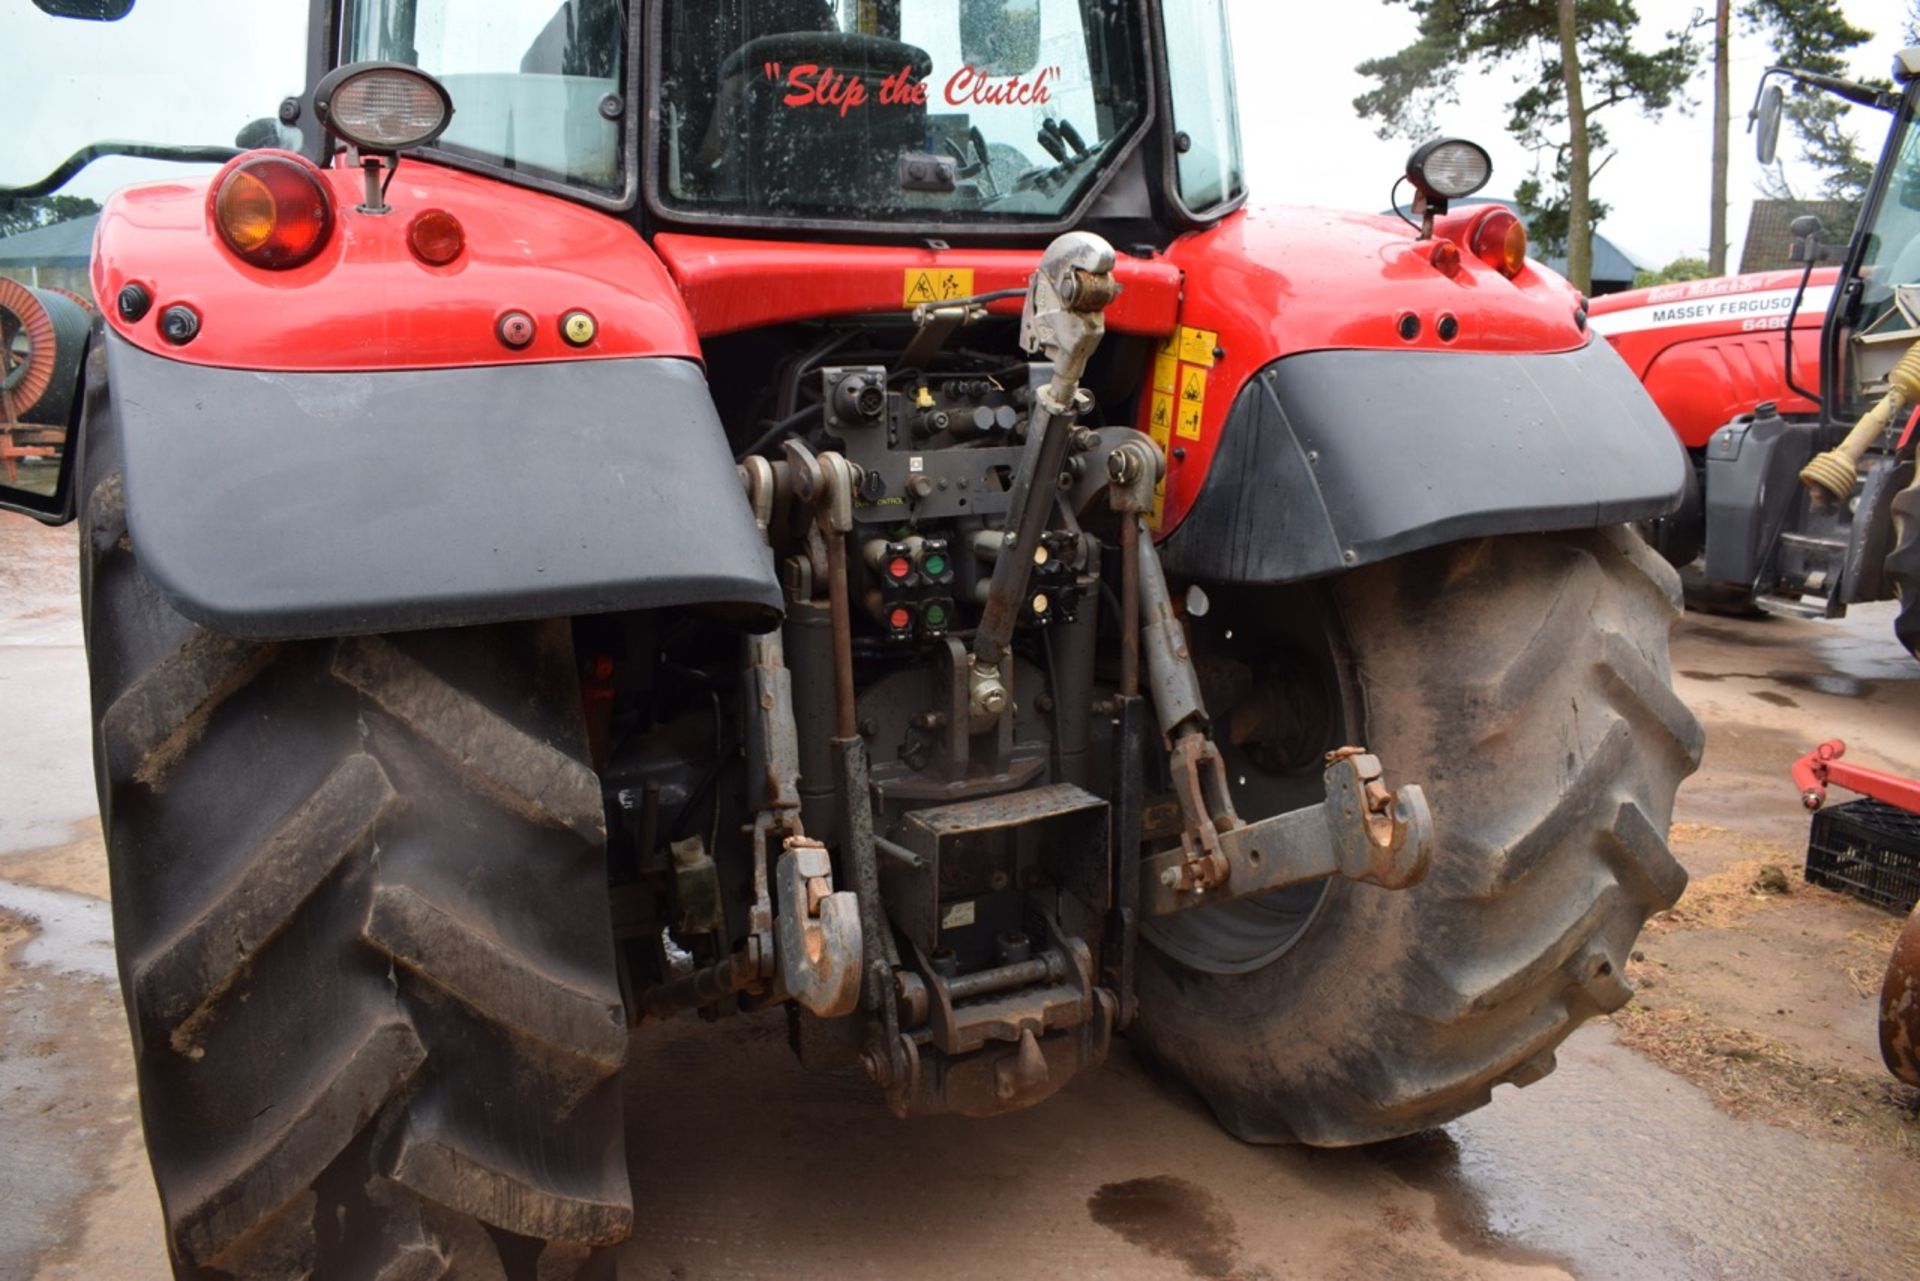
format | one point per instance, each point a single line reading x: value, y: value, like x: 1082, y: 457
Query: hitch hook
x: 817, y: 931
x: 1380, y: 837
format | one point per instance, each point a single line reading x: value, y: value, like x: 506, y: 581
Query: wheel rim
x: 1294, y: 634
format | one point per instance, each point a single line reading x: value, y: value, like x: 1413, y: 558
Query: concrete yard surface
x: 1733, y: 1122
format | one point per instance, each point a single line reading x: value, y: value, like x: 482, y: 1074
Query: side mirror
x: 1766, y: 134
x: 88, y: 10
x: 266, y: 132
x: 1805, y: 231
x: 43, y: 342
x: 1000, y: 37
x: 1808, y: 246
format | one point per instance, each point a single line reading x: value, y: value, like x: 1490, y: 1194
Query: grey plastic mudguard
x: 1335, y: 459
x: 274, y: 506
x: 1753, y: 493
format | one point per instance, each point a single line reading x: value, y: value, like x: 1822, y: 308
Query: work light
x: 382, y: 107
x: 1449, y: 168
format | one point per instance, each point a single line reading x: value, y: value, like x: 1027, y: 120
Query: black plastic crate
x: 1868, y: 850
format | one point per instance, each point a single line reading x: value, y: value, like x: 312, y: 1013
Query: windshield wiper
x: 80, y: 159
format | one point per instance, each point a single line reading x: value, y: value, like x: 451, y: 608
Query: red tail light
x: 273, y: 210
x: 436, y: 237
x: 1500, y: 240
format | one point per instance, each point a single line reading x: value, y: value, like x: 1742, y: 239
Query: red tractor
x: 637, y: 509
x: 1795, y: 393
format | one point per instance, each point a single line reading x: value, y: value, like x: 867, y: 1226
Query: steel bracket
x: 1361, y: 831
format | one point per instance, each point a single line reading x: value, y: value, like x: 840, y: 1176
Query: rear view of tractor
x: 631, y: 511
x: 1795, y: 395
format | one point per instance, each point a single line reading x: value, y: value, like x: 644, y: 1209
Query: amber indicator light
x: 273, y: 211
x: 1500, y: 240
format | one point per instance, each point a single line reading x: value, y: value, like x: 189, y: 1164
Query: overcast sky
x: 195, y: 70
x: 1304, y: 143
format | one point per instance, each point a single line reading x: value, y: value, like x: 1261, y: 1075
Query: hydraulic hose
x: 1838, y: 470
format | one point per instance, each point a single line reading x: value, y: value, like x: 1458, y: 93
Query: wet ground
x: 1732, y: 1123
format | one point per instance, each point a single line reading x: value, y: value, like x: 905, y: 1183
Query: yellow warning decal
x: 1160, y: 425
x: 1196, y: 346
x: 1189, y: 427
x: 1166, y: 372
x: 1193, y: 386
x: 1159, y: 505
x: 938, y: 284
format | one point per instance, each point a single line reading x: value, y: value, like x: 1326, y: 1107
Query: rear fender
x: 1335, y: 459
x: 1753, y: 492
x: 365, y: 301
x: 276, y: 505
x: 354, y: 445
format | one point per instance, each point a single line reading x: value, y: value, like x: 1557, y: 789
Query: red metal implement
x: 1822, y: 767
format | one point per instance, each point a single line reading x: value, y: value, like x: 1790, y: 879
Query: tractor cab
x: 872, y: 117
x: 868, y: 117
x: 1875, y: 316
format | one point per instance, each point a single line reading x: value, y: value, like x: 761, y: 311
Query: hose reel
x: 43, y: 336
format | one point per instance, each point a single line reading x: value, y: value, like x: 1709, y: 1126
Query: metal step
x: 1794, y: 607
x: 1814, y: 541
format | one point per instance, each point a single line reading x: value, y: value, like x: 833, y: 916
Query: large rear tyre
x: 360, y: 901
x: 1523, y: 682
x: 1903, y: 567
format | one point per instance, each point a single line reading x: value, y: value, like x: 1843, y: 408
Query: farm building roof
x: 64, y: 244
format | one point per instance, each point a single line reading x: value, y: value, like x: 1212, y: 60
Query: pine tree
x: 1573, y: 60
x: 1813, y: 35
x: 18, y: 215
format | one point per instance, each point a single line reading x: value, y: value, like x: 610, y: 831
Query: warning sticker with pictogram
x: 1193, y: 386
x: 938, y: 284
x: 1160, y: 425
x: 1196, y: 346
x: 1189, y: 427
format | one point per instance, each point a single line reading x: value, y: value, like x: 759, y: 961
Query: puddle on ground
x: 1614, y: 1169
x: 1431, y: 1161
x: 1832, y: 683
x: 1729, y: 635
x: 1172, y: 1219
x: 1775, y: 697
x: 74, y: 933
